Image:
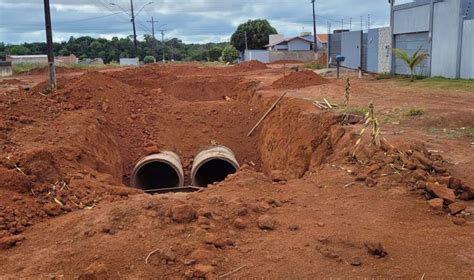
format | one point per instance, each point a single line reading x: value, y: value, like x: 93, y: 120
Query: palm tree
x: 412, y: 61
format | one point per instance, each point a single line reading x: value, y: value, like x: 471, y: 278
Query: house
x: 37, y: 59
x: 280, y: 43
x: 442, y: 28
x: 41, y: 59
x: 6, y: 69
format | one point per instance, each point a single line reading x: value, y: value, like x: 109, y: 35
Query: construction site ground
x: 313, y: 199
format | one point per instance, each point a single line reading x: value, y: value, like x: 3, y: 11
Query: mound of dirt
x: 10, y: 82
x: 251, y: 65
x: 297, y: 80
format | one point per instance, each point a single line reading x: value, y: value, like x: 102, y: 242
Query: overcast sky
x: 195, y: 21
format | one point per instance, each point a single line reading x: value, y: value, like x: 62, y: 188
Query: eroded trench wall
x: 296, y: 138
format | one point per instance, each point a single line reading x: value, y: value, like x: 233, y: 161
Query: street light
x: 133, y: 22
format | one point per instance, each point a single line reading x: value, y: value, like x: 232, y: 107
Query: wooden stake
x: 267, y: 113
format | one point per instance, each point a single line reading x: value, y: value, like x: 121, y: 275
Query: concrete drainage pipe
x: 213, y: 165
x: 158, y: 171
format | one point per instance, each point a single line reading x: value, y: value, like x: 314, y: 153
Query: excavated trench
x: 167, y: 141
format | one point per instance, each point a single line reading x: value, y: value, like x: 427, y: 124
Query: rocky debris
x: 294, y: 227
x: 469, y: 210
x: 277, y: 176
x: 456, y: 207
x: 370, y: 182
x: 328, y: 253
x: 202, y: 256
x: 109, y: 230
x: 240, y: 223
x: 436, y: 203
x: 266, y: 222
x: 459, y: 221
x: 52, y: 209
x: 355, y: 261
x: 212, y: 239
x: 203, y: 271
x: 11, y: 241
x: 96, y: 271
x: 376, y: 249
x: 183, y: 213
x: 441, y: 191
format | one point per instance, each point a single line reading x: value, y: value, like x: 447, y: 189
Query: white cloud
x: 189, y: 20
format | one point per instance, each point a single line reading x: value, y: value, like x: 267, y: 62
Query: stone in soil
x: 456, y: 207
x: 441, y: 191
x: 266, y: 222
x: 96, y: 271
x: 459, y: 221
x: 10, y: 241
x: 355, y: 261
x: 240, y: 223
x: 436, y: 203
x: 183, y: 213
x: 376, y: 249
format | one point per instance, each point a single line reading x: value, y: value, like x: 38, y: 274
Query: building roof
x: 323, y: 38
x: 28, y: 56
x: 286, y: 40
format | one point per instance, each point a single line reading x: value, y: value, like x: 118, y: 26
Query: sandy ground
x: 300, y: 207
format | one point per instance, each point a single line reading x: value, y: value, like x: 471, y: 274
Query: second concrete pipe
x: 213, y: 164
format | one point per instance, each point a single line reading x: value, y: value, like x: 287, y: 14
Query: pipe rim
x: 148, y: 159
x: 220, y: 156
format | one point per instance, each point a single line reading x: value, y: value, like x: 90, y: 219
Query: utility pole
x: 368, y: 22
x: 350, y: 24
x: 246, y: 42
x: 342, y: 24
x: 152, y: 21
x: 314, y: 28
x: 49, y: 41
x: 134, y: 29
x: 163, y: 43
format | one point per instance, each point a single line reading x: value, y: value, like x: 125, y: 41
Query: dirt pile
x: 301, y: 79
x: 251, y: 65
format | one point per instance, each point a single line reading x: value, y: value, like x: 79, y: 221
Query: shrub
x: 149, y: 59
x: 230, y: 54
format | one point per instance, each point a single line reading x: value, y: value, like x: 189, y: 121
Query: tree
x: 215, y: 53
x: 258, y: 32
x: 230, y: 54
x: 411, y: 61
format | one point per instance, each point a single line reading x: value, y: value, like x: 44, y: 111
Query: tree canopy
x: 258, y: 32
x: 116, y: 48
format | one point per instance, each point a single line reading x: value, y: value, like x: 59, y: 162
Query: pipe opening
x: 156, y: 175
x: 158, y: 171
x: 214, y: 170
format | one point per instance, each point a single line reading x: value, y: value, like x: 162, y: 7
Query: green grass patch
x: 26, y: 67
x: 314, y: 66
x: 451, y: 132
x: 355, y: 110
x: 443, y: 83
x: 414, y: 112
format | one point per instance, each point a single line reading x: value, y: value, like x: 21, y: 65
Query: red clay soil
x: 251, y: 65
x: 319, y: 210
x: 297, y: 80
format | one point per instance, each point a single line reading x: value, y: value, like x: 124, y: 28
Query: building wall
x: 292, y: 55
x: 335, y: 47
x: 299, y: 45
x: 467, y: 59
x: 385, y: 50
x: 445, y: 39
x: 28, y: 59
x: 410, y: 43
x: 412, y: 20
x: 373, y: 50
x: 260, y: 55
x: 6, y: 71
x: 351, y: 47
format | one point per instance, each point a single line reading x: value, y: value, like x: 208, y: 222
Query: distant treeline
x: 113, y: 50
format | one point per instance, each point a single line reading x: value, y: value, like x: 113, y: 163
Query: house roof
x: 323, y: 38
x: 28, y: 56
x: 286, y: 40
